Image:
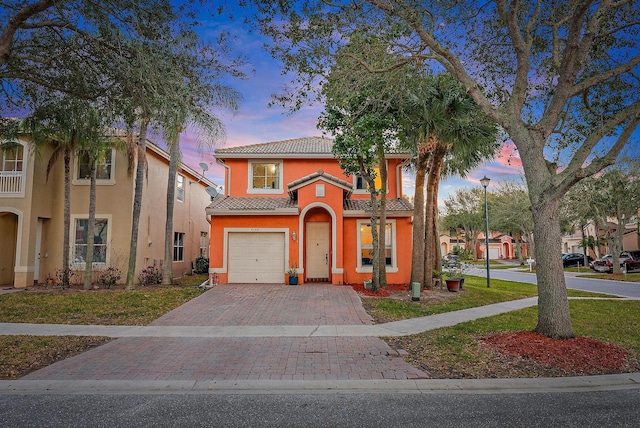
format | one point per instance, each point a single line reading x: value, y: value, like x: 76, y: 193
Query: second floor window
x: 12, y: 159
x: 265, y: 175
x: 362, y: 185
x: 180, y: 188
x: 103, y: 165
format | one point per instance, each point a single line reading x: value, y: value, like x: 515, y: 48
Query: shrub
x: 202, y: 264
x: 109, y: 277
x: 150, y: 275
x: 62, y: 273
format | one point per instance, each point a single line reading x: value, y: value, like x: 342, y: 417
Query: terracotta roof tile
x: 307, y: 146
x: 301, y: 146
x: 398, y: 204
x: 231, y: 203
x: 317, y: 174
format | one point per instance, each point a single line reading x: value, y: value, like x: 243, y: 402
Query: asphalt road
x: 618, y: 288
x: 588, y: 409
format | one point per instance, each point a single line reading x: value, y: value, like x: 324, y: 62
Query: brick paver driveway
x: 246, y: 358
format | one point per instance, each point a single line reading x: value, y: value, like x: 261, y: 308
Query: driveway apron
x: 246, y: 358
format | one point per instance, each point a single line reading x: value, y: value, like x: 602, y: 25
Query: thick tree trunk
x: 174, y: 159
x: 554, y: 319
x: 417, y: 256
x: 137, y: 202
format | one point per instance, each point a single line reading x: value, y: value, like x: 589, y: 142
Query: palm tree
x: 448, y: 132
x: 69, y: 124
x: 191, y: 109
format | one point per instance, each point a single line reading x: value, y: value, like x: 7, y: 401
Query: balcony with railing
x: 11, y: 183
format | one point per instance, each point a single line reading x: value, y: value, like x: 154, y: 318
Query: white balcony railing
x: 11, y: 182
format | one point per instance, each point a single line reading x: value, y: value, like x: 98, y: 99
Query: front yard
x: 609, y: 329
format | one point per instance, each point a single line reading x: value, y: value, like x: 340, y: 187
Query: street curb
x: 625, y: 381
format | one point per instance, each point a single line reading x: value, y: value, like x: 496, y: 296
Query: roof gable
x: 320, y: 175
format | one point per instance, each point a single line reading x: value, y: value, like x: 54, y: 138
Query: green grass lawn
x: 476, y: 294
x: 112, y: 307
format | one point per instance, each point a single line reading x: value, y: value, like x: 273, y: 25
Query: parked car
x: 574, y: 259
x: 632, y: 262
x: 602, y: 264
x: 629, y: 261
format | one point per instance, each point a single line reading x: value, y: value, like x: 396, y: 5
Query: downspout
x: 227, y: 177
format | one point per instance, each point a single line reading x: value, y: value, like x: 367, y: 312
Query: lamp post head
x: 485, y: 181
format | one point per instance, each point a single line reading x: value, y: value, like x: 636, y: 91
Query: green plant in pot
x: 293, y: 275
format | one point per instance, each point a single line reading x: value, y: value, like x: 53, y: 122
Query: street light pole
x: 485, y: 183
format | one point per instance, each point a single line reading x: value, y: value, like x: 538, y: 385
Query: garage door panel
x: 256, y: 257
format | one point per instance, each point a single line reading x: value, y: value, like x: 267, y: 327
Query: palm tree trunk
x: 66, y: 239
x: 137, y: 202
x: 433, y: 180
x: 174, y: 159
x: 91, y: 225
x: 417, y: 256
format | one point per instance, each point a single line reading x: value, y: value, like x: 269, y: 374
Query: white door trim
x: 334, y: 241
x: 225, y: 245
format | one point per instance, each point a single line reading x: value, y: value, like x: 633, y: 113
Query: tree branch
x: 15, y: 22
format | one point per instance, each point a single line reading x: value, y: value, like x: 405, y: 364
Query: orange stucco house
x: 288, y: 204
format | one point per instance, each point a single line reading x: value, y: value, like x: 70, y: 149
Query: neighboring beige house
x: 631, y: 240
x: 31, y: 214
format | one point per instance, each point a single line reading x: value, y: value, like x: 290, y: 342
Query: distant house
x: 288, y: 204
x: 31, y: 214
x: 571, y: 242
x: 501, y: 246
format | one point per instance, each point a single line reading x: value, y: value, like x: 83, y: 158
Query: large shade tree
x: 68, y: 45
x: 560, y: 78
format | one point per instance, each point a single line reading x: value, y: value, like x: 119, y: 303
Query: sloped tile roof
x: 230, y: 203
x: 296, y: 146
x: 397, y: 204
x: 320, y: 173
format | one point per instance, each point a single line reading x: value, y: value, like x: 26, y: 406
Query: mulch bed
x: 577, y: 355
x: 383, y: 292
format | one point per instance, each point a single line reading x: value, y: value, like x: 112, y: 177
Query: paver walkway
x: 246, y: 358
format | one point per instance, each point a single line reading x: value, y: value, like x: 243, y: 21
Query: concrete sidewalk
x: 397, y: 328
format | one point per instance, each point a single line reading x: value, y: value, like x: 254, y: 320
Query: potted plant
x: 367, y: 284
x: 293, y: 275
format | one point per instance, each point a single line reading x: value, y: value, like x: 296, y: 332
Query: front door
x: 317, y: 251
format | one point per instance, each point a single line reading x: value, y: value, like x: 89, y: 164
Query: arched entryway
x: 8, y: 249
x: 506, y: 254
x: 317, y: 245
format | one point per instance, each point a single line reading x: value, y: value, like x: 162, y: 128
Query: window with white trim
x: 180, y: 188
x: 178, y: 246
x: 360, y: 185
x: 265, y: 177
x: 365, y: 245
x: 13, y: 158
x: 104, y: 164
x: 100, y: 240
x: 204, y: 244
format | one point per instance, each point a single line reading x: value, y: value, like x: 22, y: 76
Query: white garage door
x: 256, y: 257
x: 494, y: 253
